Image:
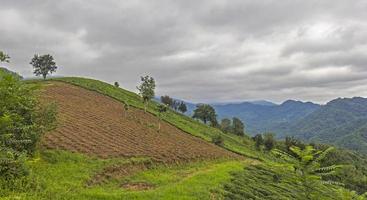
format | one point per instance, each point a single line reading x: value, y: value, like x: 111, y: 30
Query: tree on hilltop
x: 205, y: 113
x: 43, y: 65
x: 117, y: 84
x: 146, y: 90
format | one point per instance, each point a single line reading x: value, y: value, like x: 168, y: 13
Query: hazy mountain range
x: 342, y: 121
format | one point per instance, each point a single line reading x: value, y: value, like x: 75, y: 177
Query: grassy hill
x: 96, y: 153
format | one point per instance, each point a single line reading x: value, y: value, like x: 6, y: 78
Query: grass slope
x: 63, y: 175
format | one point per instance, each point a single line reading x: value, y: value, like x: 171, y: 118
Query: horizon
x: 208, y: 51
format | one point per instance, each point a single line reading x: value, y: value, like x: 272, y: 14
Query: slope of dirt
x: 94, y: 124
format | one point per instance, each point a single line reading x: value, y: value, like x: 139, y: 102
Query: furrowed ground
x: 94, y: 124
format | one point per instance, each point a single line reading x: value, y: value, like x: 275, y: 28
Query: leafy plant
x: 306, y: 164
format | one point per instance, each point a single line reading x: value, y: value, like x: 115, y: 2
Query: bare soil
x: 94, y: 124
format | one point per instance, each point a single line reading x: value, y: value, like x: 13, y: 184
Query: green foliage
x: 4, y: 57
x: 306, y: 164
x: 22, y: 122
x: 60, y: 175
x: 275, y: 182
x: 43, y: 65
x: 167, y: 100
x: 226, y: 125
x: 182, y: 107
x: 238, y: 127
x: 269, y: 141
x: 205, y: 113
x: 259, y: 141
x: 146, y: 90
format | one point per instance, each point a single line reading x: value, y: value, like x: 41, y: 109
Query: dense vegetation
x: 23, y: 120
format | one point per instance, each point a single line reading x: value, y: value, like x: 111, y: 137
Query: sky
x: 201, y: 51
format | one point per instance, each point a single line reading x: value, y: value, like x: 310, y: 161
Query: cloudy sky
x: 203, y: 51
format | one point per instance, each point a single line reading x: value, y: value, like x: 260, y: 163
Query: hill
x: 100, y: 152
x: 95, y: 124
x: 342, y: 122
x: 260, y: 118
x: 6, y: 71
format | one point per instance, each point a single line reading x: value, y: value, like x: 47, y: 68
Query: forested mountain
x: 261, y: 118
x: 341, y: 121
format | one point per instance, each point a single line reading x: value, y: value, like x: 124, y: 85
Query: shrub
x: 22, y: 121
x: 218, y: 140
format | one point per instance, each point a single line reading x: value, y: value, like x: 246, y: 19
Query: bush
x: 218, y: 140
x: 22, y: 121
x: 269, y: 141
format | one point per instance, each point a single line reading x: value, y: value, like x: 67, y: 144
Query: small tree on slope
x: 146, y: 90
x: 161, y: 110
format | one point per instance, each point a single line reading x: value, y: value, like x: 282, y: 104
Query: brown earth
x: 94, y: 124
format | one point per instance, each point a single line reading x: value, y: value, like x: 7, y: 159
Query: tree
x: 167, y: 100
x: 206, y: 113
x: 4, y: 57
x: 146, y: 90
x: 226, y: 125
x: 259, y: 141
x: 175, y: 105
x: 161, y: 110
x: 22, y: 121
x: 238, y: 126
x: 269, y: 141
x: 43, y: 65
x: 182, y: 108
x: 117, y: 84
x: 306, y: 164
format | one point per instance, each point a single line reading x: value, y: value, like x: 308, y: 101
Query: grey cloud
x: 211, y: 50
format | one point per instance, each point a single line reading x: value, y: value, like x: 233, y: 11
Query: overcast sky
x: 202, y: 51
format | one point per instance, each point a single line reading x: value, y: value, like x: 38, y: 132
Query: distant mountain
x: 263, y: 103
x: 342, y: 122
x: 266, y: 116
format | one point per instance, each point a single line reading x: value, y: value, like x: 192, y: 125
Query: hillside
x: 99, y: 151
x: 6, y: 71
x: 341, y: 121
x: 94, y: 124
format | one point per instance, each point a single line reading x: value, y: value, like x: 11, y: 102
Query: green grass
x: 241, y: 145
x: 63, y: 175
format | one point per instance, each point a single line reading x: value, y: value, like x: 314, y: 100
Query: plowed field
x: 94, y: 124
